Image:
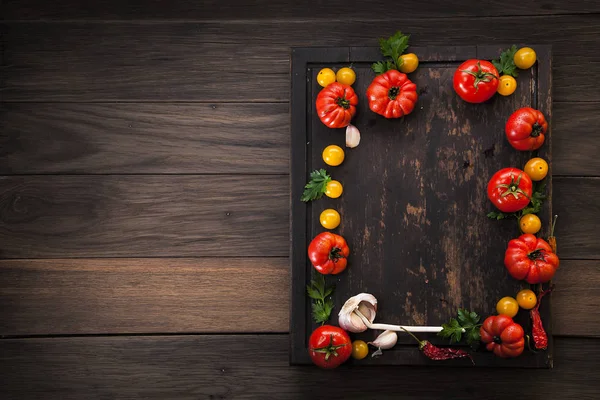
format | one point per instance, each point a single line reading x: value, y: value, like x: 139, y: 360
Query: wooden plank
x: 576, y: 316
x: 277, y: 9
x: 91, y: 296
x: 576, y: 203
x: 106, y: 296
x: 166, y: 216
x: 248, y: 61
x: 159, y: 138
x: 254, y: 366
x: 575, y: 138
x: 414, y: 205
x: 143, y: 216
x: 144, y: 138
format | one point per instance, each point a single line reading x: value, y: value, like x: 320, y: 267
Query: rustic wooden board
x: 178, y: 61
x: 414, y: 204
x: 276, y: 9
x: 214, y: 367
x: 157, y: 295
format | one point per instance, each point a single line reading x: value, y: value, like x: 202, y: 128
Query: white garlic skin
x: 386, y: 340
x: 352, y: 136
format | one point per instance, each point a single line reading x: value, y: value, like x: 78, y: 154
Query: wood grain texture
x: 107, y: 296
x: 275, y: 9
x: 216, y: 138
x: 97, y: 296
x: 212, y: 61
x: 576, y: 298
x: 576, y: 203
x: 254, y: 366
x: 143, y: 216
x: 144, y: 138
x: 575, y: 138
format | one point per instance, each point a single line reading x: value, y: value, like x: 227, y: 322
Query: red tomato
x: 336, y: 105
x: 476, y: 81
x: 510, y: 189
x: 392, y: 94
x: 328, y: 253
x: 530, y: 258
x: 526, y: 129
x: 329, y: 346
x: 503, y: 336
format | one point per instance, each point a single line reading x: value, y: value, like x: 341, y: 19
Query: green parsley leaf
x: 317, y: 185
x: 392, y: 47
x: 322, y: 303
x: 382, y: 66
x: 467, y: 320
x: 506, y: 63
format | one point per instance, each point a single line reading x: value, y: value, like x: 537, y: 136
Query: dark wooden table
x: 144, y: 195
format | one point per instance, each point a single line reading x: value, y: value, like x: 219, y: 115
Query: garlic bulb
x: 352, y: 136
x: 386, y: 340
x: 366, y: 304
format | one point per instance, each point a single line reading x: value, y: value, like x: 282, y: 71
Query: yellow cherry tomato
x: 330, y: 219
x: 536, y: 168
x: 334, y: 189
x: 410, y: 62
x: 526, y: 299
x: 525, y: 57
x: 359, y: 349
x: 507, y: 85
x: 325, y: 77
x: 530, y: 223
x: 333, y: 155
x: 507, y: 306
x: 346, y: 75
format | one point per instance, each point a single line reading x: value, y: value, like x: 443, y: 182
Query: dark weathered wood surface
x: 99, y: 296
x: 184, y: 54
x: 141, y: 216
x: 277, y: 9
x: 144, y: 138
x: 256, y: 367
x: 249, y: 60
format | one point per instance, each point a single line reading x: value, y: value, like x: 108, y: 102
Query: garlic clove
x: 348, y: 320
x: 352, y: 136
x: 386, y: 340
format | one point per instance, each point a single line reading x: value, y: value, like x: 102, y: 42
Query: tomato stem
x: 513, y: 188
x: 393, y: 92
x: 480, y: 76
x: 330, y: 349
x: 335, y: 254
x: 537, y: 130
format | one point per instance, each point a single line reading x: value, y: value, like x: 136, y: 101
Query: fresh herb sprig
x: 317, y: 185
x: 506, y: 63
x: 393, y: 47
x: 322, y: 303
x: 467, y: 320
x: 535, y: 206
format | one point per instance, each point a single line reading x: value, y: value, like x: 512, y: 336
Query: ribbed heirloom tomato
x: 510, y: 190
x: 336, y: 105
x: 392, y: 94
x: 328, y: 253
x: 530, y: 258
x: 503, y: 336
x: 526, y: 129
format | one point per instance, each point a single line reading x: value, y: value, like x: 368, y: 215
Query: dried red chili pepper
x: 439, y: 353
x: 552, y: 238
x: 540, y: 338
